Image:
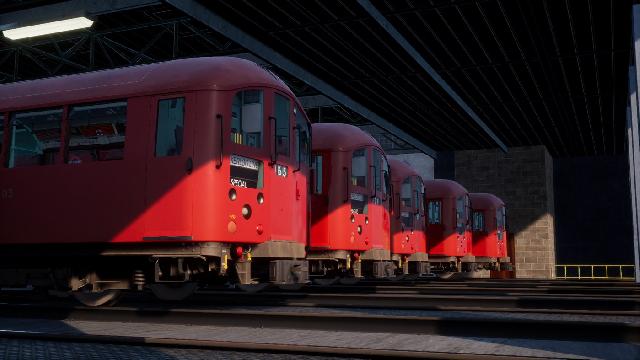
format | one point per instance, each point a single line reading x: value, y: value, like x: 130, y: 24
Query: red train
x: 158, y: 175
x: 350, y: 218
x: 408, y: 227
x: 489, y: 231
x: 171, y: 175
x: 448, y: 225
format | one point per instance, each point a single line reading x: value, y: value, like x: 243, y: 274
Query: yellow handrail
x: 591, y: 269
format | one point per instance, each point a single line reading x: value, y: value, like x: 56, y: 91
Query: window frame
x: 289, y: 126
x: 9, y: 136
x: 478, y: 214
x: 429, y: 218
x: 157, y: 122
x: 67, y: 125
x: 249, y: 149
x: 362, y: 189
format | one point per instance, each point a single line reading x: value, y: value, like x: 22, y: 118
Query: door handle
x: 189, y: 166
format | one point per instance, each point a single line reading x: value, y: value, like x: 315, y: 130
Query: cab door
x: 169, y: 192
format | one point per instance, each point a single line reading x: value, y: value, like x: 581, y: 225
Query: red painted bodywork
x: 488, y: 242
x: 142, y: 198
x: 407, y: 240
x: 443, y: 238
x: 331, y: 227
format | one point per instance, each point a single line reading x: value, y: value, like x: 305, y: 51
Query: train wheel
x: 349, y: 280
x: 326, y: 281
x: 97, y: 298
x: 253, y: 288
x: 173, y: 292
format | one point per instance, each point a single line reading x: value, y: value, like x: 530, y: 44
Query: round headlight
x: 359, y: 229
x: 246, y: 211
x: 260, y: 198
x: 232, y: 194
x: 353, y: 218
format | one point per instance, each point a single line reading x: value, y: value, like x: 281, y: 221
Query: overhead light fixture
x: 48, y: 28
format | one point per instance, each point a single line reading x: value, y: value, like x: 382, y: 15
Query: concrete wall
x: 422, y: 163
x: 523, y: 179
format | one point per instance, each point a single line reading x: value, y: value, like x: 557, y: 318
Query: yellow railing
x: 595, y: 272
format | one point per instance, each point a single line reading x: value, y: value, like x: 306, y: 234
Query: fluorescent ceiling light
x: 48, y: 28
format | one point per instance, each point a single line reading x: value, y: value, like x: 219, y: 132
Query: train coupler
x: 289, y: 271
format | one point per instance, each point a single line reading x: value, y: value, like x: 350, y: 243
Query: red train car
x: 408, y: 228
x: 350, y: 204
x: 448, y: 225
x: 489, y: 231
x: 160, y: 174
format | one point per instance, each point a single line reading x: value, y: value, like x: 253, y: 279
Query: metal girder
x: 634, y: 138
x: 316, y: 101
x: 67, y: 10
x: 219, y: 24
x: 402, y: 41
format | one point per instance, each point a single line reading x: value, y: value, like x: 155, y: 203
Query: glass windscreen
x: 247, y: 118
x: 359, y: 168
x: 434, y: 210
x: 405, y: 193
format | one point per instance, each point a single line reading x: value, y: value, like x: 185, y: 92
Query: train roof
x: 400, y: 170
x: 485, y: 201
x: 205, y: 73
x: 340, y: 137
x: 442, y: 188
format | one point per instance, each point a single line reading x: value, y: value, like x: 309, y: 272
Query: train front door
x: 169, y: 193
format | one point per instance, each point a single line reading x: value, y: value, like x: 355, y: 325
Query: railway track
x: 352, y: 321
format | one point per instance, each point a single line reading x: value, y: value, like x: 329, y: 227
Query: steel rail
x: 477, y: 326
x: 251, y: 346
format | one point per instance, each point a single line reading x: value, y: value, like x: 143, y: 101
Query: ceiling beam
x: 402, y: 41
x: 235, y: 34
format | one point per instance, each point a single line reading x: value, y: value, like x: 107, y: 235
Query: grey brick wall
x: 523, y: 179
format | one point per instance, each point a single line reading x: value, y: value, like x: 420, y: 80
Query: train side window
x: 359, y: 168
x: 377, y: 168
x: 405, y: 193
x: 170, y: 127
x: 317, y: 165
x: 385, y: 178
x: 35, y: 137
x: 97, y: 132
x: 282, y: 106
x: 303, y: 137
x: 435, y: 215
x: 478, y: 221
x: 247, y: 118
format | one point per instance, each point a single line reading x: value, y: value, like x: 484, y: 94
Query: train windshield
x: 247, y: 118
x: 359, y: 168
x: 434, y: 211
x: 405, y: 193
x: 501, y: 220
x: 419, y: 195
x: 478, y: 221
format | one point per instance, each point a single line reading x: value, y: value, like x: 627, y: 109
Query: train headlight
x: 232, y: 194
x: 260, y: 198
x: 359, y: 229
x: 246, y: 211
x: 353, y: 218
x: 366, y: 221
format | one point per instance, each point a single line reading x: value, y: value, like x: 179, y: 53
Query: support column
x: 633, y: 142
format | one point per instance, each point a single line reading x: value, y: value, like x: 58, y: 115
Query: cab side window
x: 34, y: 137
x: 282, y: 107
x: 170, y: 127
x: 317, y: 166
x: 303, y: 137
x: 97, y: 132
x: 1, y: 135
x: 247, y: 118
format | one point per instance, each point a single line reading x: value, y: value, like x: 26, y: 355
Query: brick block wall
x: 523, y: 179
